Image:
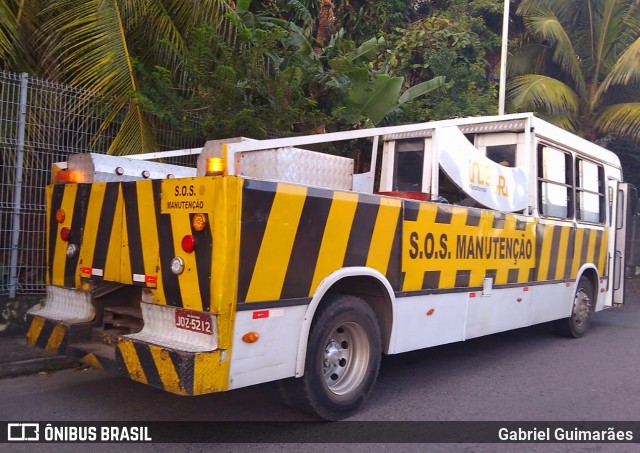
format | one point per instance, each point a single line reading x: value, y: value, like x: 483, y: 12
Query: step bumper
x: 172, y: 369
x: 140, y: 357
x: 55, y: 335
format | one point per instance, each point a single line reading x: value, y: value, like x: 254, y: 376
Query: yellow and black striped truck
x: 274, y: 262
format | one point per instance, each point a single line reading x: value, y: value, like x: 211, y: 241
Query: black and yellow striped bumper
x: 169, y: 369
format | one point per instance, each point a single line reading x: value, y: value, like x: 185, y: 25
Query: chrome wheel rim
x: 581, y: 307
x: 346, y: 358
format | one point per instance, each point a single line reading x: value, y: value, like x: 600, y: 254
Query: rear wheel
x: 342, y: 362
x: 576, y: 325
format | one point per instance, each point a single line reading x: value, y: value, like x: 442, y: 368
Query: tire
x: 576, y: 325
x: 342, y: 362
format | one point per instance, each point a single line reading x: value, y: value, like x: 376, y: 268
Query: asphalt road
x: 525, y: 375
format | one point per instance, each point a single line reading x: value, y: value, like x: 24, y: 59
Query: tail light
x: 189, y: 243
x: 66, y: 176
x: 65, y: 234
x: 177, y: 265
x: 199, y: 222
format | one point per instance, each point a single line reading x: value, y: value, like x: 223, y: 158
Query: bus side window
x: 590, y: 189
x: 555, y: 182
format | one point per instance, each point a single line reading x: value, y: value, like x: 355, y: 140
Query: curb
x: 33, y: 366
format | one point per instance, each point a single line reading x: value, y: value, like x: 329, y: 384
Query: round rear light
x: 199, y: 222
x: 177, y: 265
x: 65, y: 233
x: 189, y: 243
x: 72, y: 250
x: 60, y: 215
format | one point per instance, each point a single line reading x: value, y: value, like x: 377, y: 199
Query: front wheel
x: 343, y: 359
x: 576, y: 325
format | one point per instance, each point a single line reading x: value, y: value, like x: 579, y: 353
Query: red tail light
x: 189, y: 243
x: 65, y: 233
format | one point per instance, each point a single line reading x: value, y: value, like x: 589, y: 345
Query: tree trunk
x: 326, y: 21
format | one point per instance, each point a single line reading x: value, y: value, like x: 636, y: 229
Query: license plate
x: 194, y: 321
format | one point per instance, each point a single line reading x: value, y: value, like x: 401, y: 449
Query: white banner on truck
x: 489, y: 183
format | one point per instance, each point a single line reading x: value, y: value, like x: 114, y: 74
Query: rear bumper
x: 156, y: 356
x: 169, y: 369
x: 172, y: 370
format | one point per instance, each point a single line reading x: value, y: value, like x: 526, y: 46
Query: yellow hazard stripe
x: 575, y: 266
x: 561, y: 253
x: 591, y: 247
x: 166, y: 370
x: 545, y: 254
x: 275, y: 251
x: 209, y: 373
x: 383, y: 232
x: 35, y: 328
x: 150, y: 242
x: 458, y: 219
x: 603, y: 251
x: 56, y: 337
x: 116, y: 246
x: 178, y: 372
x: 131, y: 361
x: 91, y: 360
x: 414, y: 276
x: 334, y: 240
x: 92, y: 222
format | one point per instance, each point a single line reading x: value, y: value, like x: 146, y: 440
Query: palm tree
x: 18, y: 22
x: 579, y: 65
x: 97, y: 45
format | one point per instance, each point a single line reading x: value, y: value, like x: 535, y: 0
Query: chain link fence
x: 41, y: 123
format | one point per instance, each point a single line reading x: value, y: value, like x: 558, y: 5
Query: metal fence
x: 41, y: 123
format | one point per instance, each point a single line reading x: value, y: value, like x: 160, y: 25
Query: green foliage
x: 577, y: 60
x: 19, y: 21
x: 253, y: 67
x: 483, y: 18
x: 363, y: 18
x: 439, y: 46
x: 358, y: 92
x: 234, y: 91
x: 94, y: 44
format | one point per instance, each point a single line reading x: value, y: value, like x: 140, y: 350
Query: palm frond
x: 626, y: 70
x: 218, y: 13
x: 544, y: 24
x: 94, y: 44
x: 526, y: 59
x: 90, y: 43
x: 607, y: 28
x: 136, y: 134
x: 562, y: 121
x: 160, y: 20
x: 569, y: 12
x: 18, y: 22
x: 540, y: 93
x: 620, y: 119
x: 10, y: 45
